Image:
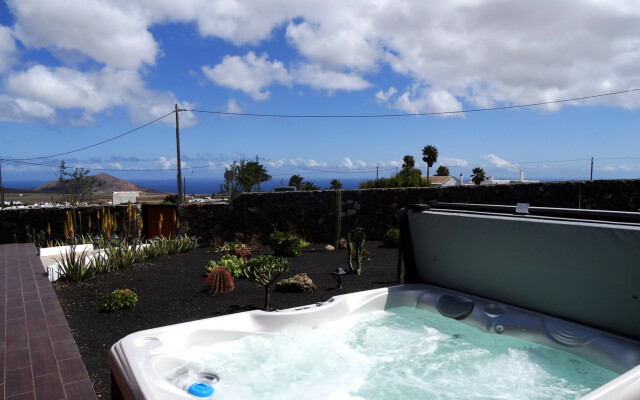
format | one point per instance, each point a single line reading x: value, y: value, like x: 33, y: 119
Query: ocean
x: 209, y: 186
x: 195, y: 185
x: 212, y: 185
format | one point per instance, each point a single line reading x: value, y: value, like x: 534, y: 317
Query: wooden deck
x: 38, y: 357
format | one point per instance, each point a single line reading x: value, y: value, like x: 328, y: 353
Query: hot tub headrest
x: 582, y: 270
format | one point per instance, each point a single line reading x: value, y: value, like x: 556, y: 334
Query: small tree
x: 295, y: 180
x: 478, y: 175
x: 243, y: 176
x: 250, y: 174
x: 265, y: 270
x: 298, y: 182
x: 429, y: 156
x: 75, y: 187
x: 336, y: 184
x: 230, y: 186
x: 443, y: 171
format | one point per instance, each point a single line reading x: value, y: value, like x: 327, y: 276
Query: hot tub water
x: 399, y: 353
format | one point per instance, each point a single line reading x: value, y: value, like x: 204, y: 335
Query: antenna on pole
x: 178, y: 151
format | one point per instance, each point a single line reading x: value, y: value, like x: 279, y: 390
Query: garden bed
x: 169, y: 290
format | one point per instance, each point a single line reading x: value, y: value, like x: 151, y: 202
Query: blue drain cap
x: 201, y: 389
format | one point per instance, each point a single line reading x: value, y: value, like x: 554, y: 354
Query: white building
x: 442, y: 181
x: 125, y: 197
x: 491, y: 181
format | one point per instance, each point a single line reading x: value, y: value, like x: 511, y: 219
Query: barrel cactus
x: 219, y: 280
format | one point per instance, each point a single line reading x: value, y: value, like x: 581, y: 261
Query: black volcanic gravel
x: 170, y: 291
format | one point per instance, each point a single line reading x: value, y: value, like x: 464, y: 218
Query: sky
x: 86, y: 74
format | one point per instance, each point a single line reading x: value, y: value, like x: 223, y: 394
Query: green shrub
x: 285, y: 245
x: 120, y: 299
x: 392, y: 237
x: 229, y: 262
x: 276, y: 237
x: 265, y: 270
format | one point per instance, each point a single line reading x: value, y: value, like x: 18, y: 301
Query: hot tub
x: 569, y: 281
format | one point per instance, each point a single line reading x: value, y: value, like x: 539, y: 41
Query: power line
x: 331, y: 116
x: 312, y: 170
x: 416, y: 114
x: 95, y: 144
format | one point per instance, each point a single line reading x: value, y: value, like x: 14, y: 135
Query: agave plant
x: 74, y: 265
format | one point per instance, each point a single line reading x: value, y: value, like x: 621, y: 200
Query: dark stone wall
x: 15, y: 222
x: 313, y: 214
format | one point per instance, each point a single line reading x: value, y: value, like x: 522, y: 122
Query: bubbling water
x: 400, y: 353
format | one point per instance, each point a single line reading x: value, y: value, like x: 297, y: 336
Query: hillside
x: 108, y: 184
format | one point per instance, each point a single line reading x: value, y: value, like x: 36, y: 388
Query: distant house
x: 491, y: 181
x: 125, y: 197
x: 442, y: 181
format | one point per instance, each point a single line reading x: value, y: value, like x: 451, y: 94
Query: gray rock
x: 297, y: 283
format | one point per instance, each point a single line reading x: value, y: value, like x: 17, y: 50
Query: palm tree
x: 443, y: 171
x: 478, y: 175
x: 408, y: 162
x: 430, y: 155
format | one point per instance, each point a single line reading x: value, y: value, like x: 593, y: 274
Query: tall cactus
x: 338, y: 212
x: 355, y: 248
x: 219, y: 281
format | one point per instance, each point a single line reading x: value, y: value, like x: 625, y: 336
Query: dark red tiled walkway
x: 38, y: 356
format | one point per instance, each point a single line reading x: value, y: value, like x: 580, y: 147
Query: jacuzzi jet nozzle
x: 211, y: 377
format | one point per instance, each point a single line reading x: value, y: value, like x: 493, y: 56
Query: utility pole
x: 184, y: 188
x: 376, y: 172
x: 591, y: 168
x: 179, y: 164
x: 1, y: 187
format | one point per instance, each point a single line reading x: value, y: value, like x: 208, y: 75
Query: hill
x: 108, y: 184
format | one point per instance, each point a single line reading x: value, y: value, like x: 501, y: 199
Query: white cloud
x: 498, y: 162
x: 103, y: 30
x: 385, y: 96
x: 233, y: 107
x: 69, y: 88
x: 167, y: 163
x: 7, y: 47
x: 613, y: 168
x: 241, y: 22
x: 480, y: 52
x: 347, y: 163
x: 276, y: 164
x: 250, y: 73
x: 345, y: 31
x: 452, y: 162
x: 422, y: 100
x: 40, y: 90
x: 307, y: 162
x: 317, y: 77
x: 22, y: 110
x: 170, y: 163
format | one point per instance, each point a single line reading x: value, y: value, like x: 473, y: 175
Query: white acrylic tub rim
x: 140, y: 361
